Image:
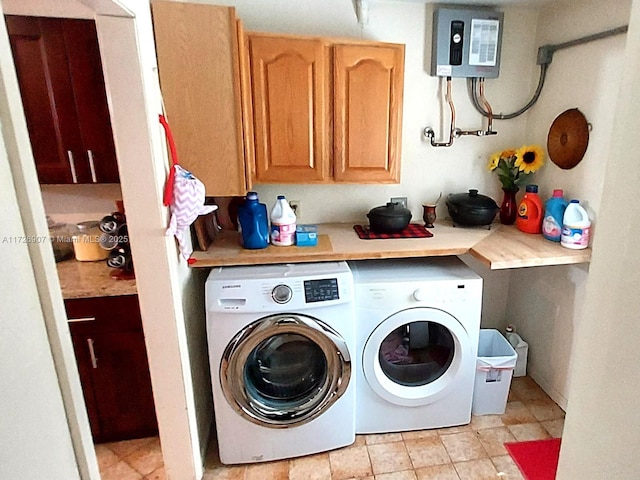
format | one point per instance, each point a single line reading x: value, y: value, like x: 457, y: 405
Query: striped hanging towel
x: 184, y: 194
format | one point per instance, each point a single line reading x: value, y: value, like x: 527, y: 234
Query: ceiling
x: 486, y: 3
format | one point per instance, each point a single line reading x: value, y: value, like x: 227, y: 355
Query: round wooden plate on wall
x: 568, y: 138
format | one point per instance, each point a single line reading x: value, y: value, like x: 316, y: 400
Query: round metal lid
x: 472, y: 199
x: 391, y: 209
x: 568, y: 138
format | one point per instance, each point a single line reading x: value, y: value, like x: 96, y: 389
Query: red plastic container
x: 530, y: 211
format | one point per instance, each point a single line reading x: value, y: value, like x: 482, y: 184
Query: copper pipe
x: 430, y: 134
x: 487, y: 107
x: 451, y: 107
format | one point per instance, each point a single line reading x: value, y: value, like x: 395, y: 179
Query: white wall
x: 33, y: 413
x: 546, y: 304
x: 602, y: 426
x: 426, y: 171
x: 42, y: 403
x: 78, y: 203
x: 58, y: 8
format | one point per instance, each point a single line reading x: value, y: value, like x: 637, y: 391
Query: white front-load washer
x: 281, y: 340
x: 417, y: 330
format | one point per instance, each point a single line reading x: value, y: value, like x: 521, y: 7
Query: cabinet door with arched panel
x: 367, y: 91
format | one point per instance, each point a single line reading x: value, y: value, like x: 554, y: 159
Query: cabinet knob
x: 72, y: 164
x: 92, y: 166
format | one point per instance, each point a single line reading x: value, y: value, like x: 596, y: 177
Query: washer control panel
x: 321, y: 290
x: 279, y: 287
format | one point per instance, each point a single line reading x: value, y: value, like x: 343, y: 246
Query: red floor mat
x: 538, y: 459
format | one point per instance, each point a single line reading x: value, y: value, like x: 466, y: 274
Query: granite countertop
x: 91, y: 279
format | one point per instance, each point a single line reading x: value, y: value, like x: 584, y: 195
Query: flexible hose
x: 507, y: 116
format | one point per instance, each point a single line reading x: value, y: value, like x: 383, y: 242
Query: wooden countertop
x: 91, y: 279
x: 501, y: 247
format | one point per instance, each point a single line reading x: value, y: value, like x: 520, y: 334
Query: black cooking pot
x: 471, y: 209
x: 389, y: 218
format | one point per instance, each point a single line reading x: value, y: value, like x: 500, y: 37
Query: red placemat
x: 414, y: 230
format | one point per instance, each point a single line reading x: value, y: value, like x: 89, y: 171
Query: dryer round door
x: 285, y: 370
x: 414, y: 356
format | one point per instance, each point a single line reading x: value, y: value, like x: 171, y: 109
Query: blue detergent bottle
x: 554, y: 209
x: 254, y: 222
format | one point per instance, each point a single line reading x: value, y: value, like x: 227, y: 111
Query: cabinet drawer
x: 104, y: 314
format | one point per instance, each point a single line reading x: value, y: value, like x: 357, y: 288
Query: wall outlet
x: 295, y: 206
x: 401, y: 200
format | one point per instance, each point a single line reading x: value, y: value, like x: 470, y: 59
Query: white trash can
x: 494, y: 369
x: 522, y: 349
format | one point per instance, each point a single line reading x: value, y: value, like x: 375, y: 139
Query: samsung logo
x: 235, y: 285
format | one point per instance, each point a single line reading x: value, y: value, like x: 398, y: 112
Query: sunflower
x: 513, y: 167
x: 493, y: 161
x: 529, y: 158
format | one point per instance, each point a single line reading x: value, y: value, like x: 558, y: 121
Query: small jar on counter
x: 86, y: 242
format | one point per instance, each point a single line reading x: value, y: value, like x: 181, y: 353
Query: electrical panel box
x: 466, y: 42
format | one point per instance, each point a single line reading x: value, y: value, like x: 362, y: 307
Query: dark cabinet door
x: 85, y: 68
x: 62, y: 87
x: 119, y: 385
x: 112, y: 363
x: 40, y: 59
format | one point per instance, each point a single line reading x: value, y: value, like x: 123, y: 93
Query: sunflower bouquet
x: 514, y: 166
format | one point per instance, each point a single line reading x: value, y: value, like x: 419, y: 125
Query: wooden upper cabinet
x: 367, y: 89
x: 273, y: 108
x: 291, y: 109
x: 59, y: 72
x: 324, y: 111
x: 199, y: 66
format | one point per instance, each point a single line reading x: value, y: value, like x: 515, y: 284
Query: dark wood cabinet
x: 112, y: 361
x: 61, y: 82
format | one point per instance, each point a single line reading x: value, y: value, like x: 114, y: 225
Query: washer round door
x: 414, y: 356
x: 285, y: 370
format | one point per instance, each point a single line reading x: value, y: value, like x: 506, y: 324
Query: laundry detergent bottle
x: 576, y: 227
x: 554, y: 209
x: 283, y: 223
x: 530, y: 211
x: 254, y: 222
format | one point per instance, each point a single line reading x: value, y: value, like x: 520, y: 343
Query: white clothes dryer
x: 281, y: 340
x: 417, y: 330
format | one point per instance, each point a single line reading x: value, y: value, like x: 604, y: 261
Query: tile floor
x: 470, y: 452
x: 139, y: 459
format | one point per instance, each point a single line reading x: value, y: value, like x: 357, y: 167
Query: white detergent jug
x: 576, y: 227
x: 283, y: 223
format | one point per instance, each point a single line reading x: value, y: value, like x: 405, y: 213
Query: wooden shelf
x: 501, y: 247
x: 508, y: 247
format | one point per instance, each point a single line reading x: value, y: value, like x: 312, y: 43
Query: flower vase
x: 509, y: 206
